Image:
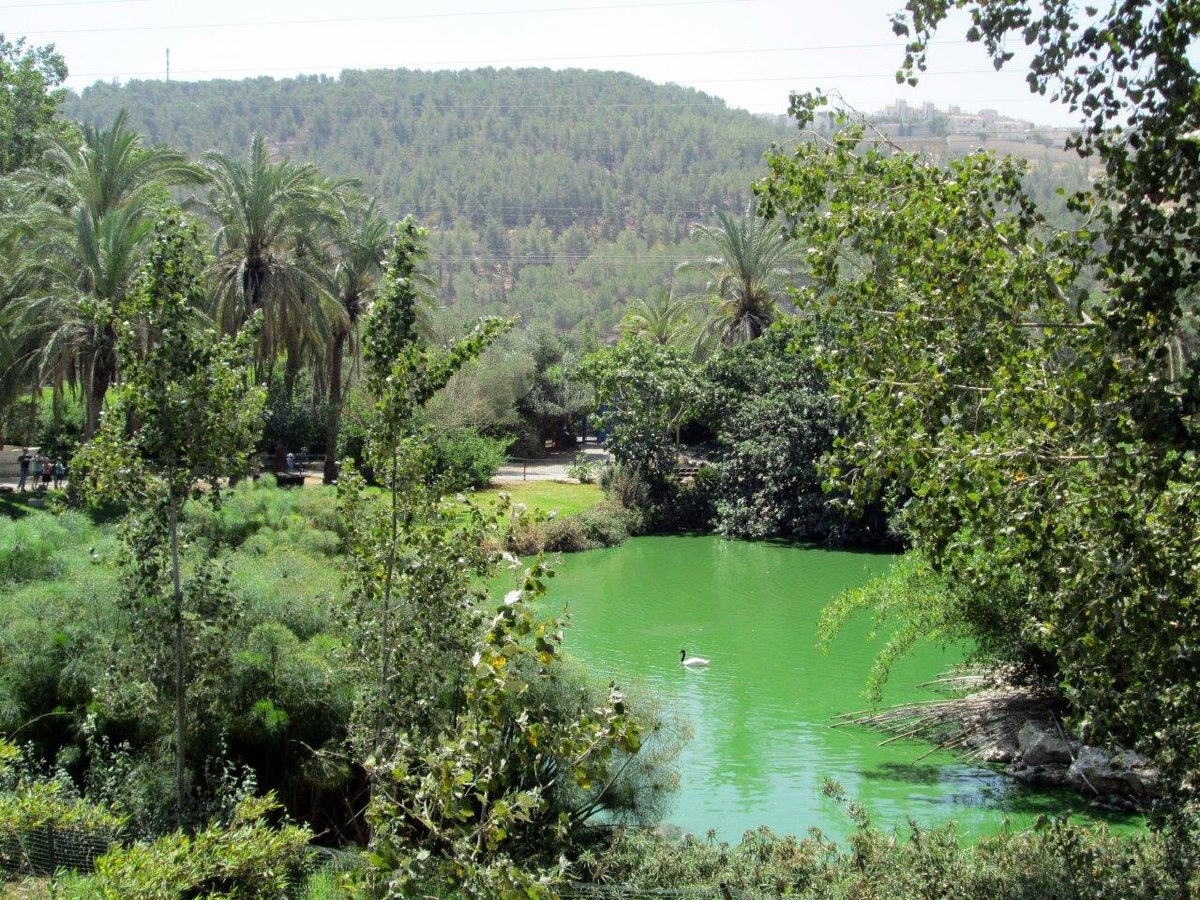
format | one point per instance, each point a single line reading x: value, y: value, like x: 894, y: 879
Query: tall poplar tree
x: 184, y: 416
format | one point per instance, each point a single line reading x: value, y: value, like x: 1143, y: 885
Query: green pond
x: 762, y: 742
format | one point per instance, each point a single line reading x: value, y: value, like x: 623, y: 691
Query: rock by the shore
x: 1052, y: 774
x: 1122, y: 772
x: 1119, y: 779
x: 1019, y: 727
x: 1040, y: 747
x: 999, y: 746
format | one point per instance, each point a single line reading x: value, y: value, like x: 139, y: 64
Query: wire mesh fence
x: 46, y: 849
x: 330, y: 859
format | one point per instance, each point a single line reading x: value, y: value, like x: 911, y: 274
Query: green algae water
x: 762, y: 742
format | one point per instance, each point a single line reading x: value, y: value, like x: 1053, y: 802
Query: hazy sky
x: 749, y: 52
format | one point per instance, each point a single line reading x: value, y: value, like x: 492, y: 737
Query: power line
x: 68, y: 3
x: 387, y: 106
x: 766, y: 78
x: 476, y: 63
x: 887, y: 75
x: 708, y: 100
x: 403, y: 18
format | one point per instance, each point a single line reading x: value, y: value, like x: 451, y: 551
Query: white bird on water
x: 692, y: 662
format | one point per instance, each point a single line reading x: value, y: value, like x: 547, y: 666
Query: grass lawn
x: 566, y: 497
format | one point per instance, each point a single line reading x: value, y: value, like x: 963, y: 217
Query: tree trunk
x: 385, y: 641
x: 95, y: 400
x: 291, y: 372
x: 35, y: 394
x: 180, y: 686
x: 334, y: 419
x: 103, y: 370
x: 56, y: 398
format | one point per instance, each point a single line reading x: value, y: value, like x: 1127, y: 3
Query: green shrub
x: 285, y: 586
x: 609, y: 524
x: 477, y: 812
x: 626, y: 486
x: 262, y: 509
x: 318, y: 542
x: 245, y: 859
x: 646, y: 780
x: 54, y: 646
x: 560, y: 535
x: 44, y: 828
x: 138, y: 784
x: 464, y: 459
x: 606, y: 524
x: 290, y: 691
x: 323, y: 885
x: 33, y: 548
x: 1053, y: 860
x: 583, y: 471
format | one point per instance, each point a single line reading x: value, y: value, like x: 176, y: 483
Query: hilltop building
x: 900, y: 119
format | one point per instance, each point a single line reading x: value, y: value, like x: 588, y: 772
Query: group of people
x: 39, y: 471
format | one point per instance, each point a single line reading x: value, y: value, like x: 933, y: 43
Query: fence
x: 309, y: 462
x: 46, y: 849
x: 523, y: 462
x: 10, y: 467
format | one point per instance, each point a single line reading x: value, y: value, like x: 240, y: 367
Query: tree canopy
x: 30, y: 94
x: 1012, y: 384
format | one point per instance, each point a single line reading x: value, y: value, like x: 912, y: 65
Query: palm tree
x: 88, y: 266
x: 91, y: 206
x: 750, y: 268
x: 109, y: 169
x: 661, y: 317
x: 360, y: 241
x: 18, y: 343
x: 271, y: 219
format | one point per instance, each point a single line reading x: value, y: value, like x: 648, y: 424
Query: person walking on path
x: 36, y: 471
x: 59, y: 471
x: 47, y: 472
x: 23, y: 460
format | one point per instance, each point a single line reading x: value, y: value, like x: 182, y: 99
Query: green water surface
x: 762, y: 741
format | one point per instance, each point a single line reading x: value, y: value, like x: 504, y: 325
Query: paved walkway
x: 15, y: 480
x: 548, y: 468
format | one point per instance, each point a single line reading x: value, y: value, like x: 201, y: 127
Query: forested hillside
x: 558, y: 195
x: 602, y: 149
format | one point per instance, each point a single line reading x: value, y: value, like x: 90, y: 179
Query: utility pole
x: 168, y: 64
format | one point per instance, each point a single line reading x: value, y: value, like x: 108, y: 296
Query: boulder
x: 1099, y: 771
x: 1053, y: 774
x: 1040, y: 747
x: 999, y: 752
x: 995, y: 746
